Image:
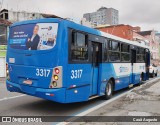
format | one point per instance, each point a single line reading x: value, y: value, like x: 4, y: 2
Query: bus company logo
x: 47, y: 28
x: 123, y: 69
x: 6, y: 119
x: 50, y: 28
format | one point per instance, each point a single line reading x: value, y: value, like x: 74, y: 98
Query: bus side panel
x: 78, y: 94
x: 123, y: 71
x: 120, y: 73
x: 138, y: 69
x: 105, y: 73
x: 79, y: 79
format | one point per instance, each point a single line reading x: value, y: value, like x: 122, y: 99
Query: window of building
x: 79, y: 47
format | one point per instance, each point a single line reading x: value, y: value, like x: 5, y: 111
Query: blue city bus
x: 61, y: 61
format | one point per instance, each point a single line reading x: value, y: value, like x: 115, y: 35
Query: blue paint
x: 59, y: 94
x: 122, y: 82
x: 95, y: 81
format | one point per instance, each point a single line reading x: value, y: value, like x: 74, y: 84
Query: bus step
x: 93, y: 97
x: 131, y: 85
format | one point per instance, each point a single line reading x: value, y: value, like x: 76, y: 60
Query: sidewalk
x: 141, y: 101
x: 2, y: 80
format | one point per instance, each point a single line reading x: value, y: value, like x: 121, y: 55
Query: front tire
x: 156, y: 74
x: 108, y: 90
x: 153, y: 75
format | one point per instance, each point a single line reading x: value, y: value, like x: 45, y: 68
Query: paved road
x: 140, y: 101
x: 32, y: 106
x: 28, y: 105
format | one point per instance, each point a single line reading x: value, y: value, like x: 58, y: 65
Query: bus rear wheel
x: 156, y: 74
x: 108, y: 90
x: 153, y: 75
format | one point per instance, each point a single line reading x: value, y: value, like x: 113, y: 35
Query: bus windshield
x: 40, y: 36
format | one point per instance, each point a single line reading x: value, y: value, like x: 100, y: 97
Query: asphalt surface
x: 140, y: 101
x: 31, y: 106
x: 28, y: 105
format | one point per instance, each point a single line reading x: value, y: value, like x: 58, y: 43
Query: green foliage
x: 2, y: 53
x: 3, y: 47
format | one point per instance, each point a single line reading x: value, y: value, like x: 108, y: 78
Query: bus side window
x: 114, y: 51
x: 115, y: 46
x: 125, y: 52
x: 79, y: 47
x: 141, y: 55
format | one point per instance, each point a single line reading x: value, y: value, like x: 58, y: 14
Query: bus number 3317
x: 76, y: 74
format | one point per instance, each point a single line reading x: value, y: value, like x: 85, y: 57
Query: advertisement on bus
x: 40, y: 36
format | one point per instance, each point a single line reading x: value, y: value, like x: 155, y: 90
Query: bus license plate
x: 29, y: 82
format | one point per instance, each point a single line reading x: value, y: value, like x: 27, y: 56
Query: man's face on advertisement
x: 36, y: 28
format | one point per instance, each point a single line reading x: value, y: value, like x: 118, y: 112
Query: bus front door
x: 133, y: 61
x: 96, y: 59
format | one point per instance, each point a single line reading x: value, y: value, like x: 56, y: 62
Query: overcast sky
x: 144, y: 13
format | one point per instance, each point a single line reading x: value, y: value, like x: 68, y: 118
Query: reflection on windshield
x: 40, y: 36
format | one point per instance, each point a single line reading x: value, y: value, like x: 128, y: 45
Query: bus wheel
x: 156, y: 74
x: 109, y: 90
x: 153, y: 74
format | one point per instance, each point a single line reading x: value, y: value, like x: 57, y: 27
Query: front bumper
x: 57, y: 95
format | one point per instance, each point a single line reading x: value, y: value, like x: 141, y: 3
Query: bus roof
x: 123, y: 40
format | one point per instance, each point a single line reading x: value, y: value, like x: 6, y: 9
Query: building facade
x: 84, y: 22
x: 127, y: 32
x: 140, y: 39
x: 153, y: 45
x: 16, y: 16
x: 123, y: 31
x: 157, y: 36
x: 103, y: 16
x: 4, y: 27
x: 158, y: 39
